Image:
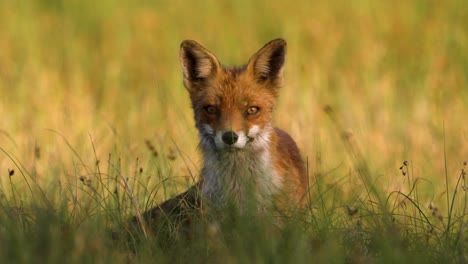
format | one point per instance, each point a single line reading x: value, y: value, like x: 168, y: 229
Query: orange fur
x: 233, y: 110
x: 245, y: 159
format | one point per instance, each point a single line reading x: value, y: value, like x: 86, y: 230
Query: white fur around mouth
x: 240, y: 143
x: 243, y: 140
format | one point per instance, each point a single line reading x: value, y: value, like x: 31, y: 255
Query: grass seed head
x: 172, y: 154
x: 352, y: 210
x: 151, y: 148
x: 85, y: 181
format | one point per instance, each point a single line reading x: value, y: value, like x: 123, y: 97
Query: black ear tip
x: 279, y: 42
x: 185, y: 43
x: 188, y: 43
x: 278, y: 47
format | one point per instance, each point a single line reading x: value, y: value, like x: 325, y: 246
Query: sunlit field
x: 95, y: 126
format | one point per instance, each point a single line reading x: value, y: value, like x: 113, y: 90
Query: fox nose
x: 230, y: 137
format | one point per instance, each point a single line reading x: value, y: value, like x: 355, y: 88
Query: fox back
x: 245, y: 159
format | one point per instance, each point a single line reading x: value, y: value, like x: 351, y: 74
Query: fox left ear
x: 198, y: 64
x: 268, y: 63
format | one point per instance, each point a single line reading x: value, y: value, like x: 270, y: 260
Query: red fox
x: 233, y: 111
x: 242, y: 151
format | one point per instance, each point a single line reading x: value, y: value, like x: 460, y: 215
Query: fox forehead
x: 235, y: 88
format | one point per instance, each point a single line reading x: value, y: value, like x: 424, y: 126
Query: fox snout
x: 230, y: 140
x: 230, y: 137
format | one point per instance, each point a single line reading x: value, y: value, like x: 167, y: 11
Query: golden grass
x: 106, y: 74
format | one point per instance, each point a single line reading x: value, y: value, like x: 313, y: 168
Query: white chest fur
x: 242, y: 177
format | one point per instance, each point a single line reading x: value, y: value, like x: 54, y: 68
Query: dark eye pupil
x: 211, y: 109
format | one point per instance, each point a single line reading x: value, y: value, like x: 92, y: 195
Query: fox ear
x: 197, y: 63
x: 268, y: 63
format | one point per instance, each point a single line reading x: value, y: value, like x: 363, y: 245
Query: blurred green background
x: 82, y: 79
x: 91, y: 98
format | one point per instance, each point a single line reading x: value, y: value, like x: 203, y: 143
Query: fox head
x: 233, y: 106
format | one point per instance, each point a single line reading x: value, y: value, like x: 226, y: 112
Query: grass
x: 93, y: 113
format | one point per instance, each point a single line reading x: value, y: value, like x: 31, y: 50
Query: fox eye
x: 252, y: 110
x: 211, y: 109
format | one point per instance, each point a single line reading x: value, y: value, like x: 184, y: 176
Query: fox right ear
x: 197, y: 63
x: 268, y: 63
